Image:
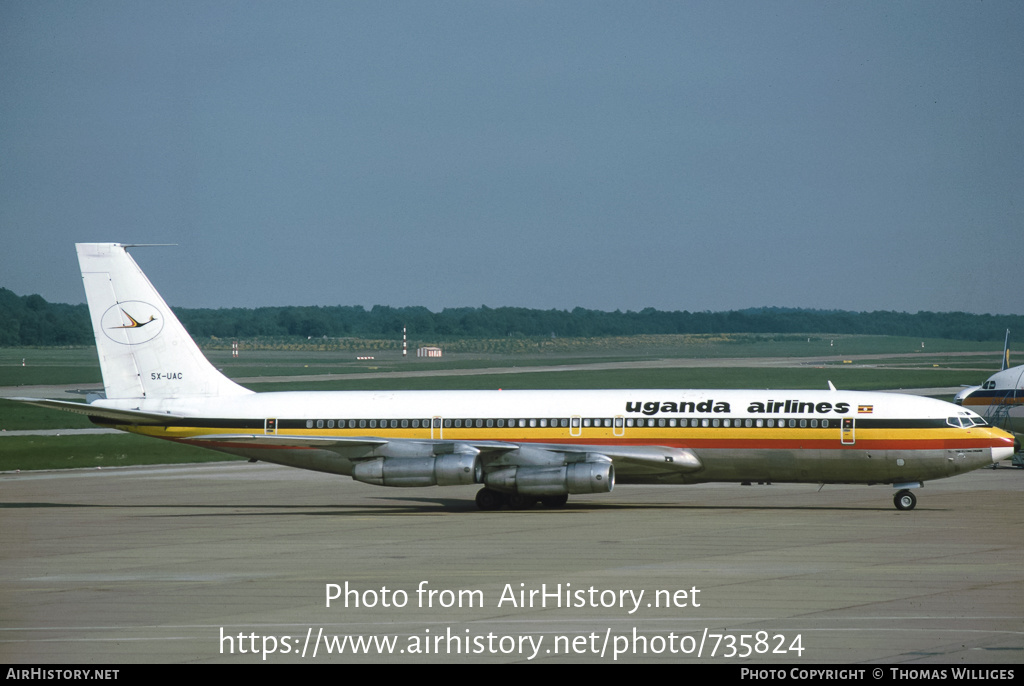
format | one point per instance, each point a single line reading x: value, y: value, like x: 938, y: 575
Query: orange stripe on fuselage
x: 971, y: 401
x: 945, y: 438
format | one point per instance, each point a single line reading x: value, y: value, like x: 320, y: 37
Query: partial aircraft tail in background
x: 1006, y: 352
x: 135, y: 330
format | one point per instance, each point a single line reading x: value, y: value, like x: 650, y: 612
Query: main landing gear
x: 488, y: 499
x: 904, y: 500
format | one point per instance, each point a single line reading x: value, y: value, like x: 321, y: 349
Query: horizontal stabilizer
x: 127, y: 417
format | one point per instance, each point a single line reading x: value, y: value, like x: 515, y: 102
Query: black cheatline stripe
x: 300, y: 424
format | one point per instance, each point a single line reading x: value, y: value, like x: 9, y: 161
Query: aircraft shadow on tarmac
x: 427, y: 506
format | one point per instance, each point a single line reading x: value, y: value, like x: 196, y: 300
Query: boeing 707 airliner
x: 522, y: 447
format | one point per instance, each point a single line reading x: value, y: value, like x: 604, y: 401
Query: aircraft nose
x: 1005, y: 451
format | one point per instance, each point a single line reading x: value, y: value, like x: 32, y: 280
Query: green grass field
x: 698, y: 377
x: 74, y: 366
x: 34, y: 366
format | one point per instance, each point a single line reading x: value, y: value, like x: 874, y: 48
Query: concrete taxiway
x: 223, y: 562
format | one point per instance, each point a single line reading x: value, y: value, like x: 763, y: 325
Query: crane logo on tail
x: 132, y: 322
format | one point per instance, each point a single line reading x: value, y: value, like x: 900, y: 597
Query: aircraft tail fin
x: 144, y: 350
x: 1006, y: 352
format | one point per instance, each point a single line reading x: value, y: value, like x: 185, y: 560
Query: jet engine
x: 457, y: 469
x: 578, y: 477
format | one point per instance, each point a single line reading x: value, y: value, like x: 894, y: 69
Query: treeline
x: 30, y: 320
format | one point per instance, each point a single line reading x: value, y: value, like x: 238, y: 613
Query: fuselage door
x: 270, y: 426
x: 848, y: 437
x: 619, y: 426
x: 435, y: 428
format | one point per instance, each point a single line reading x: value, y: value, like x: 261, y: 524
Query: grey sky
x: 678, y: 155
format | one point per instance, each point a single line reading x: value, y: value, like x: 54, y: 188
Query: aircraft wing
x: 275, y: 441
x: 329, y: 441
x: 354, y: 447
x: 649, y: 461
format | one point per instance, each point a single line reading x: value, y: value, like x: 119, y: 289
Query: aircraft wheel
x: 518, y: 501
x: 904, y: 500
x: 554, y: 500
x: 488, y: 499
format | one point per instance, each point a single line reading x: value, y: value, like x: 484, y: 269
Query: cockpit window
x: 966, y: 422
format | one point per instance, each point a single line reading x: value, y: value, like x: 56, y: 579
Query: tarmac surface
x: 217, y: 563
